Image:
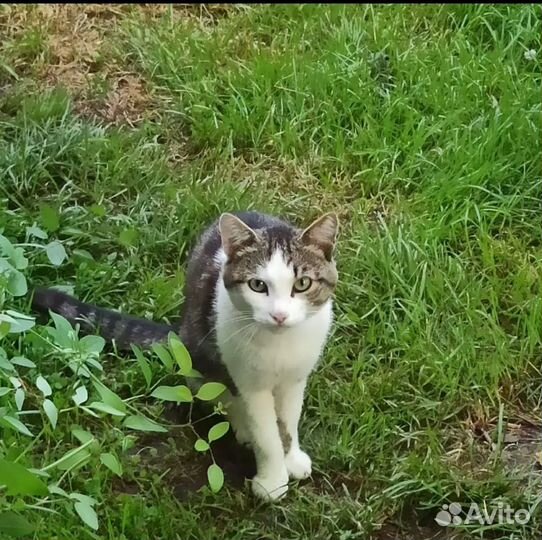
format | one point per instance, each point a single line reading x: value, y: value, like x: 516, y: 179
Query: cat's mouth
x: 274, y: 327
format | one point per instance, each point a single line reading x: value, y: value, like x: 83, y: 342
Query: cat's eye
x: 302, y: 284
x: 257, y: 285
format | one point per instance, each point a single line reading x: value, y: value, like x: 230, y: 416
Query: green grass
x: 420, y: 125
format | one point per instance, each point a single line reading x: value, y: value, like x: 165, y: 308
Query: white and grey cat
x: 257, y: 313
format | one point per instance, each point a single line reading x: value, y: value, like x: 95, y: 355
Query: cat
x: 256, y: 316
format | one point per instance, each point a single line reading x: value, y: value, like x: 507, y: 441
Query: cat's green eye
x: 303, y: 284
x: 257, y: 285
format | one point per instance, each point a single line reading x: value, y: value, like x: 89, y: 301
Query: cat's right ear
x: 322, y: 233
x: 235, y: 234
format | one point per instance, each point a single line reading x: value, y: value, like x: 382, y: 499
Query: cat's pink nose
x: 279, y: 317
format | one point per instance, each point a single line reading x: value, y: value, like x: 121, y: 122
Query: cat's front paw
x: 298, y: 463
x: 270, y: 487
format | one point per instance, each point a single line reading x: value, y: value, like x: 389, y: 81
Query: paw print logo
x: 449, y: 515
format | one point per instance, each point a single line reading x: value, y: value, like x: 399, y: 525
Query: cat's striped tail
x: 123, y: 329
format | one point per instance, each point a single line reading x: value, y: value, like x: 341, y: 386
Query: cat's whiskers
x: 241, y: 329
x: 252, y: 335
x: 205, y: 337
x: 241, y: 318
x: 245, y: 342
x: 244, y: 317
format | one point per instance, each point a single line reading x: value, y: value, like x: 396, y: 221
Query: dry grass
x: 73, y: 46
x: 76, y: 53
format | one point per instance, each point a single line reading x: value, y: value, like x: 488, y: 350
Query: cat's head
x: 279, y: 274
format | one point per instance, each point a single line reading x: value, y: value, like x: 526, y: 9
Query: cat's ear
x: 235, y: 234
x: 322, y: 234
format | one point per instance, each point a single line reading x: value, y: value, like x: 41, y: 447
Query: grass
x: 420, y: 125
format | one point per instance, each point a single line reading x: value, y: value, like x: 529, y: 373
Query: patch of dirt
x: 72, y: 47
x: 413, y: 531
x: 126, y: 102
x: 79, y: 36
x: 76, y: 54
x: 521, y: 443
x: 168, y: 459
x: 237, y: 461
x: 173, y: 457
x: 522, y: 453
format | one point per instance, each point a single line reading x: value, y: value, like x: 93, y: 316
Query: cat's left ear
x: 235, y: 234
x: 322, y: 234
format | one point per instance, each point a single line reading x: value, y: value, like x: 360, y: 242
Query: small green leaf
x: 43, y: 386
x: 19, y: 315
x: 98, y: 210
x: 218, y: 431
x: 61, y: 324
x: 89, y: 411
x: 49, y: 218
x: 79, y: 369
x: 14, y: 525
x: 4, y: 329
x: 19, y: 480
x: 6, y: 247
x: 16, y: 424
x: 201, y: 445
x: 109, y: 397
x: 210, y: 391
x: 37, y: 232
x: 4, y: 391
x: 143, y: 365
x: 17, y: 324
x: 17, y: 285
x: 87, y: 514
x: 74, y: 461
x: 82, y: 498
x: 92, y: 344
x: 63, y: 333
x: 6, y: 365
x: 80, y: 396
x: 163, y: 354
x: 18, y: 259
x: 140, y: 423
x: 179, y: 394
x: 55, y: 490
x: 19, y: 398
x: 94, y: 363
x: 72, y: 458
x: 51, y: 411
x: 104, y: 407
x: 22, y: 361
x: 82, y: 435
x: 112, y: 463
x: 215, y: 477
x: 128, y: 237
x: 180, y: 353
x: 80, y: 255
x: 56, y: 253
x: 195, y: 374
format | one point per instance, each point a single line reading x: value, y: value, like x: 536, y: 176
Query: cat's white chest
x: 259, y: 358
